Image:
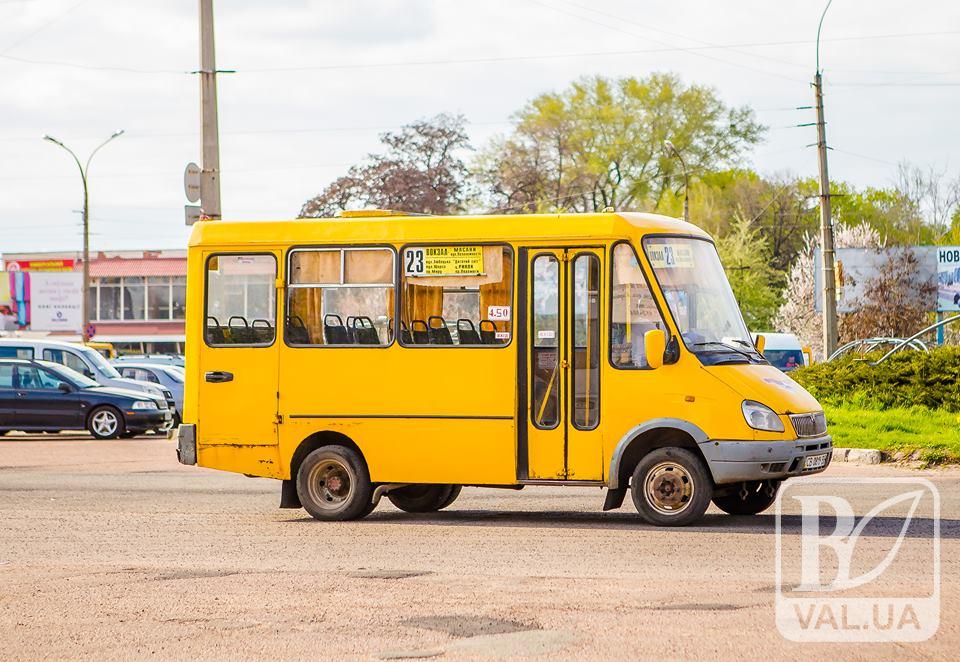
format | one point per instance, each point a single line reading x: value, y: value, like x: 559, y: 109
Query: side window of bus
x: 241, y: 300
x: 633, y: 310
x: 457, y: 295
x: 341, y: 297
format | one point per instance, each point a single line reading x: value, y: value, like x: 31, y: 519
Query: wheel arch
x: 650, y: 435
x: 318, y: 440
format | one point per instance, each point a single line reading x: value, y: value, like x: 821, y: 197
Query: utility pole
x: 84, y: 172
x: 210, y: 132
x: 686, y: 180
x: 830, y: 337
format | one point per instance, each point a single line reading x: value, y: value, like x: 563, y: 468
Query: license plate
x: 815, y: 461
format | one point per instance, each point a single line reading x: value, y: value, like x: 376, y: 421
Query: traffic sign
x: 90, y: 331
x: 191, y: 182
x: 191, y: 214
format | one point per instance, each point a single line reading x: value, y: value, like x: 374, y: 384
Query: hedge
x: 906, y: 379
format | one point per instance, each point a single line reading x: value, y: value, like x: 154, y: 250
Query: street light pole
x: 826, y: 224
x: 84, y: 170
x: 686, y: 180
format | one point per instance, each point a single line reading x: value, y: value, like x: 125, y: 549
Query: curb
x: 858, y: 455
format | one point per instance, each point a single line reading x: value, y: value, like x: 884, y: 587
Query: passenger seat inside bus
x: 215, y: 335
x: 297, y: 332
x: 362, y: 331
x: 439, y: 335
x: 420, y: 332
x: 467, y: 332
x: 240, y: 335
x: 489, y: 335
x: 335, y: 334
x: 262, y: 331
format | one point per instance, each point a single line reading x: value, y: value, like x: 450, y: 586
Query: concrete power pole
x: 830, y: 336
x: 210, y: 132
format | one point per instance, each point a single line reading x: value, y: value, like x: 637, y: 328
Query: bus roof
x: 378, y: 227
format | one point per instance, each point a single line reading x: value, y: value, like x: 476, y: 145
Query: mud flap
x: 288, y: 495
x: 614, y: 498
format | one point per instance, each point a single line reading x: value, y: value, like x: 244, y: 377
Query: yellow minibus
x: 378, y: 354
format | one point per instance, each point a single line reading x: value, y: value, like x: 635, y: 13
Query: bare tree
x: 421, y: 171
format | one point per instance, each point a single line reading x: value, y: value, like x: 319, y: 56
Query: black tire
x: 760, y: 496
x: 671, y: 487
x: 98, y: 423
x: 451, y: 497
x: 423, y: 498
x: 334, y: 485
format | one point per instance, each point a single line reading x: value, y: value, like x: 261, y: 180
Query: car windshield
x: 71, y: 376
x: 785, y: 359
x: 698, y: 294
x: 176, y: 374
x: 96, y: 358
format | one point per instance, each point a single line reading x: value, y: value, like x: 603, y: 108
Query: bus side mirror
x: 760, y: 343
x: 654, y: 345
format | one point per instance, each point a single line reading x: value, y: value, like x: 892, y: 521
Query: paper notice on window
x: 670, y: 255
x: 443, y: 261
x: 498, y: 313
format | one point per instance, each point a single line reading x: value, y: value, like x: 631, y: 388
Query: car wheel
x: 105, y: 423
x: 749, y: 499
x: 423, y: 498
x: 333, y: 484
x: 671, y: 487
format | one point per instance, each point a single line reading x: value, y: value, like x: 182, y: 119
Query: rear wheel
x: 105, y: 423
x: 671, y: 487
x: 423, y: 498
x: 333, y: 484
x: 749, y: 498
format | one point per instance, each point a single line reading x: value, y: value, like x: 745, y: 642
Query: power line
x: 478, y: 60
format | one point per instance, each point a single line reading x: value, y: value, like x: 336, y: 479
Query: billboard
x: 56, y: 301
x: 858, y: 266
x: 39, y: 265
x: 948, y: 279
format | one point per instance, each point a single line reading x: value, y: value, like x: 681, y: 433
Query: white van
x: 784, y: 351
x: 84, y: 360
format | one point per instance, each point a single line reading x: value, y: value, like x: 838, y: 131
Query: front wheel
x: 424, y: 498
x: 671, y: 487
x: 105, y: 423
x: 748, y: 499
x: 333, y: 484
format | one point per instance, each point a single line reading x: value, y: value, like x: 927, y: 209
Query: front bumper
x: 147, y: 419
x: 738, y: 461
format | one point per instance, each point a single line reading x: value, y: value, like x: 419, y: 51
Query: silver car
x: 168, y: 377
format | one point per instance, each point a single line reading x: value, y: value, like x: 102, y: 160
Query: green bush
x: 906, y: 379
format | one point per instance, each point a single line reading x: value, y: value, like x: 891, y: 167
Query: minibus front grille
x: 809, y: 425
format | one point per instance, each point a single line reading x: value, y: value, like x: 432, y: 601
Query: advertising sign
x: 55, y: 301
x: 948, y: 279
x: 444, y: 261
x: 39, y: 265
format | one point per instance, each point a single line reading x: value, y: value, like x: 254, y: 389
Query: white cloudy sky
x: 319, y: 79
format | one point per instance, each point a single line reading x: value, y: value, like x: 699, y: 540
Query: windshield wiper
x: 727, y: 347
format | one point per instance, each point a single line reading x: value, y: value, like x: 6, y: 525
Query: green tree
x: 600, y: 143
x: 746, y: 259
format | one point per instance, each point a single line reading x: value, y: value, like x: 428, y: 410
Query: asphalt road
x: 112, y: 550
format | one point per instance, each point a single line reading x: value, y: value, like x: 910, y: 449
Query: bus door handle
x: 218, y: 376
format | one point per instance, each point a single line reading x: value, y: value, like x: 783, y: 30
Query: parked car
x: 784, y: 351
x: 170, y: 377
x: 160, y: 359
x: 38, y: 395
x: 77, y: 357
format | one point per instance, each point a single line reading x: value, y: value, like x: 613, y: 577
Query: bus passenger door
x: 238, y: 369
x: 561, y: 358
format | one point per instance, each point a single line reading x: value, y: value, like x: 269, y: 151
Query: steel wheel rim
x: 105, y: 422
x: 668, y: 488
x: 330, y: 484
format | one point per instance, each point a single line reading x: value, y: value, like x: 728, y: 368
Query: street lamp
x: 84, y: 170
x: 686, y: 179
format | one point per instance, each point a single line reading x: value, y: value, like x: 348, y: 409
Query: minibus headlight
x: 761, y: 417
x: 144, y: 404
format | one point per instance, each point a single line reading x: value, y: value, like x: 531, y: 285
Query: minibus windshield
x: 691, y: 277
